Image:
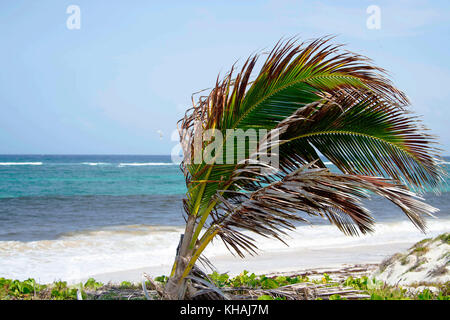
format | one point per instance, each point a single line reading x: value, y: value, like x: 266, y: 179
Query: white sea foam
x: 95, y: 163
x: 20, y: 163
x: 132, y: 164
x: 75, y: 256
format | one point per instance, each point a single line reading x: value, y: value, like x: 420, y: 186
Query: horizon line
x: 102, y: 154
x: 81, y: 154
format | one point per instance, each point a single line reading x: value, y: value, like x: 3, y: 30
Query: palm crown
x: 318, y: 99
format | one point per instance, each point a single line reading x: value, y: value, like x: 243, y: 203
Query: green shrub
x: 162, y: 279
x: 60, y: 291
x: 445, y: 237
x: 92, y: 284
x: 126, y: 285
x: 219, y: 279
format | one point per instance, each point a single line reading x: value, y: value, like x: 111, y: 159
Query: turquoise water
x: 46, y: 196
x: 24, y: 176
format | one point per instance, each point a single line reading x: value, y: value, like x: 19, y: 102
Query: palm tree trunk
x: 176, y: 286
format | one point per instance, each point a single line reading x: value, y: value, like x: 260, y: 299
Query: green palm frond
x: 364, y: 136
x: 295, y: 75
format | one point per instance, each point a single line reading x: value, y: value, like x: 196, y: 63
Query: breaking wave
x: 20, y: 163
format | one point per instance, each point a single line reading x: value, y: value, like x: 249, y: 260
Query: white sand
x: 281, y: 261
x: 425, y: 262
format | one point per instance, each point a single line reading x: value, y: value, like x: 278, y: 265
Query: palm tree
x: 318, y: 98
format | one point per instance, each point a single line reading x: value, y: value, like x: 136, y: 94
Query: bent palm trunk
x: 176, y: 286
x: 313, y: 98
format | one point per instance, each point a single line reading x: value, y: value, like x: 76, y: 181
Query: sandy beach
x: 290, y: 261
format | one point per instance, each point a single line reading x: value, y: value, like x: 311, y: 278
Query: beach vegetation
x: 422, y: 242
x: 60, y: 291
x: 92, y: 284
x: 388, y: 261
x: 29, y: 289
x: 439, y: 270
x: 405, y: 260
x: 445, y: 238
x: 247, y: 280
x: 240, y: 284
x: 126, y: 285
x: 419, y: 250
x: 163, y: 279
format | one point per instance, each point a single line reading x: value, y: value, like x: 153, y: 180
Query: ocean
x: 72, y: 216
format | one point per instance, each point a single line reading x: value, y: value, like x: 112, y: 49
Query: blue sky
x: 130, y: 69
